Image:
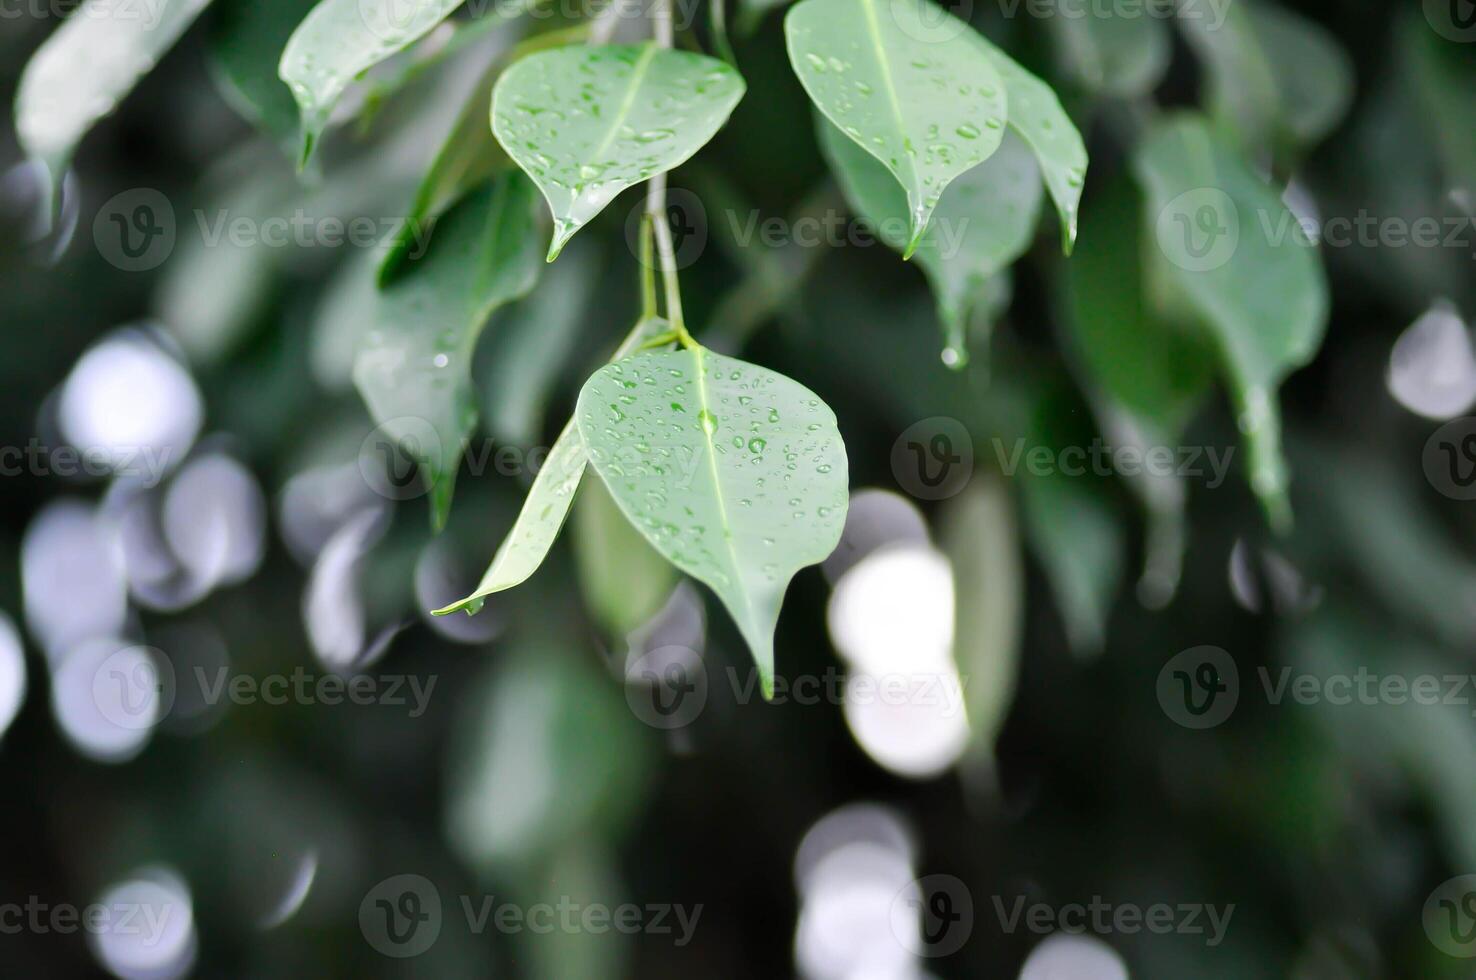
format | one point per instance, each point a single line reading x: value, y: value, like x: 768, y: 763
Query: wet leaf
x: 912, y: 85
x: 733, y: 472
x: 413, y: 363
x: 587, y: 122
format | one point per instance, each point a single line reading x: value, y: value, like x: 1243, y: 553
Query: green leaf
x: 623, y: 579
x: 1076, y: 538
x: 84, y: 69
x: 245, y: 42
x: 911, y: 84
x: 733, y: 472
x: 588, y: 122
x: 984, y: 221
x: 980, y: 538
x: 1149, y: 375
x: 547, y: 504
x: 1235, y: 259
x: 1241, y: 88
x: 1036, y: 114
x: 1313, y: 75
x: 412, y: 368
x: 1108, y: 50
x: 469, y: 154
x: 342, y: 39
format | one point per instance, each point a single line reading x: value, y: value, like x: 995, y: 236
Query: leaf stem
x: 663, y: 32
x: 648, y: 268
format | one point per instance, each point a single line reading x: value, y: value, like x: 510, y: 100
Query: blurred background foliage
x: 533, y: 772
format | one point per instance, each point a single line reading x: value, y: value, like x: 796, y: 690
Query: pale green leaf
x: 979, y: 535
x: 1111, y: 50
x: 587, y: 122
x: 733, y: 472
x: 911, y: 84
x: 413, y: 365
x: 341, y: 39
x: 547, y: 504
x: 1314, y: 75
x: 245, y: 42
x: 1036, y: 114
x: 84, y: 69
x: 984, y: 221
x: 1235, y: 258
x: 623, y: 579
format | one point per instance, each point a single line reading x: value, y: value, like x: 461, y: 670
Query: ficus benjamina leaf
x: 586, y: 122
x: 735, y: 473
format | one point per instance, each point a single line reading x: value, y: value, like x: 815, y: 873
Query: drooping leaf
x: 1076, y: 538
x: 469, y: 153
x: 341, y: 39
x: 587, y: 122
x: 733, y: 472
x: 1109, y: 50
x: 984, y: 221
x: 623, y: 579
x: 1148, y: 374
x: 1036, y: 114
x: 547, y: 504
x: 245, y: 43
x: 1313, y: 75
x: 84, y: 69
x: 911, y: 84
x: 1236, y: 261
x: 412, y: 367
x: 979, y: 535
x: 1440, y: 77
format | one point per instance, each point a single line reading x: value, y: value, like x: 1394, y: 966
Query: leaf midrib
x: 699, y: 360
x: 873, y: 28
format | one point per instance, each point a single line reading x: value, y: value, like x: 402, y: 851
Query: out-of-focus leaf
x: 624, y: 580
x: 1242, y: 95
x: 413, y: 366
x: 1236, y: 260
x: 342, y: 39
x: 1314, y: 76
x: 469, y: 154
x: 545, y: 754
x: 547, y: 504
x: 1148, y: 376
x: 912, y: 85
x: 984, y: 221
x: 1036, y: 114
x: 532, y: 344
x: 587, y: 122
x: 1442, y: 79
x: 978, y: 534
x: 735, y: 473
x: 85, y: 68
x: 246, y: 42
x: 1108, y: 51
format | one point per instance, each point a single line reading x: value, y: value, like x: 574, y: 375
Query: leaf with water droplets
x: 912, y: 85
x: 547, y: 504
x: 984, y: 221
x: 1237, y: 265
x: 1036, y: 114
x: 342, y: 39
x: 80, y: 73
x: 413, y: 365
x: 733, y: 472
x: 587, y: 122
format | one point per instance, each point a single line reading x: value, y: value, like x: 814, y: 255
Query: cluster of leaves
x: 735, y: 474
